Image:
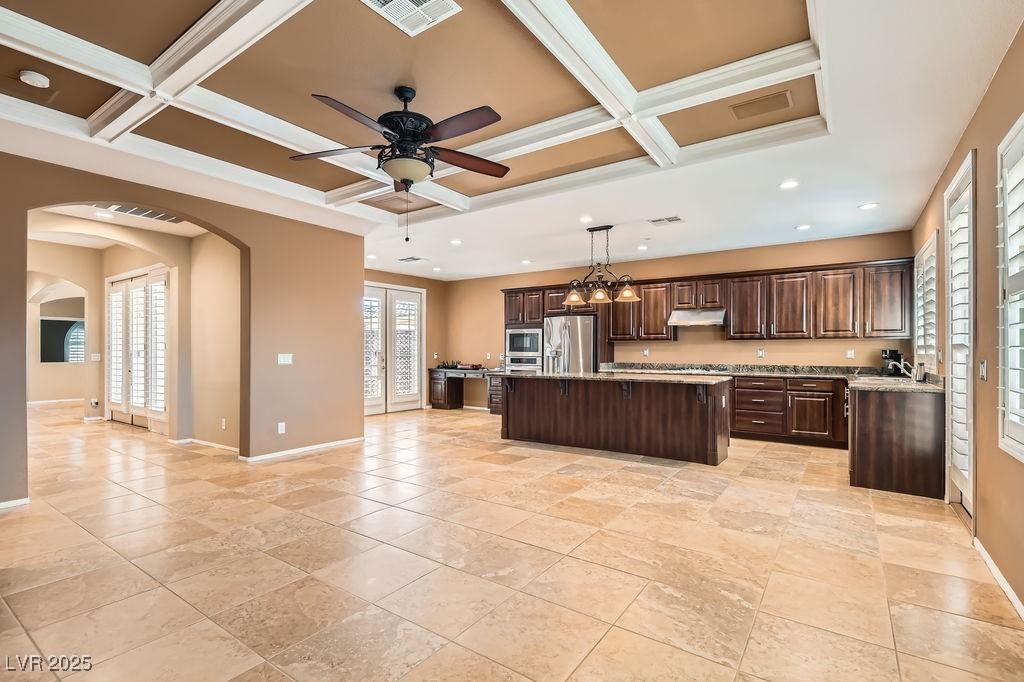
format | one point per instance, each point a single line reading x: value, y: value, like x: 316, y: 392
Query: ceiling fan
x: 409, y: 155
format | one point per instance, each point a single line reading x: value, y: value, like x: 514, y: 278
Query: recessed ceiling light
x: 456, y: 242
x: 803, y: 227
x: 641, y: 247
x: 868, y: 206
x: 526, y: 261
x: 103, y: 214
x: 789, y: 184
x: 586, y: 219
x: 437, y: 269
x: 371, y: 256
x: 33, y: 78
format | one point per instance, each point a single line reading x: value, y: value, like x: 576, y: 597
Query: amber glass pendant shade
x: 627, y: 295
x: 600, y: 295
x: 574, y: 298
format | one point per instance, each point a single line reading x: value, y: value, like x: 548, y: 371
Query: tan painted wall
x: 476, y: 307
x: 215, y: 339
x: 291, y: 273
x: 64, y: 307
x: 999, y: 504
x: 46, y: 263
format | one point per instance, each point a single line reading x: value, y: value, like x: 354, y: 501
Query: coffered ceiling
x: 595, y: 97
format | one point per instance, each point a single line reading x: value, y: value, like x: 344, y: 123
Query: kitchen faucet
x: 917, y: 374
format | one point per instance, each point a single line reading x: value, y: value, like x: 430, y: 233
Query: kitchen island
x: 672, y: 416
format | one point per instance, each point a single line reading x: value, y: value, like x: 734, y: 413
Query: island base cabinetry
x: 681, y: 421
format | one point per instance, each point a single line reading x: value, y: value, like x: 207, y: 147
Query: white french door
x: 137, y: 350
x: 393, y: 368
x: 959, y: 208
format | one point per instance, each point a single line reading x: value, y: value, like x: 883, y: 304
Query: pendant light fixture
x: 600, y: 285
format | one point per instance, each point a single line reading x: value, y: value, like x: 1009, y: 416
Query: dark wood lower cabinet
x: 792, y: 410
x: 809, y: 415
x: 445, y: 393
x: 897, y: 442
x: 680, y: 421
x: 494, y: 394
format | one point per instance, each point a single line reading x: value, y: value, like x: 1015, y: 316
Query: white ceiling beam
x: 821, y: 86
x: 563, y: 33
x: 217, y: 38
x: 761, y: 71
x: 357, y: 191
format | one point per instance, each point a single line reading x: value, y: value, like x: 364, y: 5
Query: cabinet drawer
x: 763, y: 383
x: 494, y: 383
x: 759, y: 422
x: 810, y: 385
x: 759, y: 400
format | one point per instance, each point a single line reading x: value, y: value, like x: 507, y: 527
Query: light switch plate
x: 96, y: 357
x: 646, y: 352
x: 849, y: 354
x: 280, y: 427
x: 284, y: 358
x: 760, y: 352
x: 983, y: 370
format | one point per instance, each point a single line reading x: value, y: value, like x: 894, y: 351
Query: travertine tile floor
x: 436, y: 551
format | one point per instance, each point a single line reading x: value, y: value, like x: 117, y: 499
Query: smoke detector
x: 414, y: 16
x: 34, y: 78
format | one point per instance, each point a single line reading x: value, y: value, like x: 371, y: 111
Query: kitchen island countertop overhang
x: 666, y: 378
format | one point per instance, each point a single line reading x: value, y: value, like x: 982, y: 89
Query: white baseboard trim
x: 55, y: 402
x: 475, y: 407
x: 1000, y: 579
x: 196, y: 441
x: 13, y: 503
x: 94, y: 419
x: 299, y: 451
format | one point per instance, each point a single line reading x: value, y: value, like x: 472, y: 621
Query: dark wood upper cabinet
x: 790, y: 305
x: 554, y: 302
x: 711, y: 293
x: 655, y: 307
x: 747, y: 308
x: 623, y: 322
x: 513, y: 308
x: 533, y: 308
x: 684, y: 295
x: 887, y: 300
x: 837, y: 303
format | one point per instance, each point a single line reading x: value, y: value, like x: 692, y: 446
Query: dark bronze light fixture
x: 600, y: 285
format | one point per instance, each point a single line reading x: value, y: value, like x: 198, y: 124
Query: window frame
x: 1008, y: 444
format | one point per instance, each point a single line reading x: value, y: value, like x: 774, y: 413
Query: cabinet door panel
x: 747, y: 308
x: 622, y: 321
x: 790, y: 306
x: 711, y: 293
x: 684, y: 295
x: 654, y: 312
x: 514, y: 308
x: 553, y: 302
x: 533, y: 307
x: 887, y: 301
x: 809, y: 415
x: 837, y: 298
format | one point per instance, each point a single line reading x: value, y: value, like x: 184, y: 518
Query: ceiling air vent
x: 666, y: 220
x: 777, y: 101
x: 414, y: 16
x: 140, y: 212
x: 410, y: 259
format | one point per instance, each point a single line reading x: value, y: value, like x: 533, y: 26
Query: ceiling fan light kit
x: 407, y: 157
x: 600, y: 285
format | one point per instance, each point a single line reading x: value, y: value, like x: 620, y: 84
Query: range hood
x: 697, y: 318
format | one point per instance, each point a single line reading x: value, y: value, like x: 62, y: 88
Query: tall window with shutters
x: 1010, y: 193
x: 926, y: 306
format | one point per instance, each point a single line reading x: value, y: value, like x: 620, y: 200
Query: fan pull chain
x: 407, y: 214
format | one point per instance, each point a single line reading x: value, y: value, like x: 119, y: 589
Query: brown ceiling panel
x: 140, y: 30
x: 69, y: 91
x: 589, y: 152
x: 659, y: 42
x: 482, y: 55
x: 185, y: 130
x: 752, y: 110
x: 400, y: 202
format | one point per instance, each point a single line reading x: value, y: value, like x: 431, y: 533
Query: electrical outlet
x: 849, y: 354
x: 436, y: 356
x: 95, y: 402
x: 280, y: 428
x: 501, y: 356
x: 285, y: 358
x: 760, y: 352
x: 223, y: 424
x: 646, y: 352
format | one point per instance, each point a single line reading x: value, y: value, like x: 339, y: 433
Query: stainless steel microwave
x: 523, y: 342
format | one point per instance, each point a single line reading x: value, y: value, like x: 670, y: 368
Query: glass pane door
x: 405, y: 377
x: 374, y: 381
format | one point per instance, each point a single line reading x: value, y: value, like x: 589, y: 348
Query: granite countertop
x: 660, y: 378
x: 894, y: 384
x: 818, y: 371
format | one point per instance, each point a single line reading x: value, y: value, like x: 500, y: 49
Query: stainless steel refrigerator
x: 570, y: 344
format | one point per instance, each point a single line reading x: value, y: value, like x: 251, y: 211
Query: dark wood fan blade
x: 355, y: 115
x: 470, y: 162
x: 400, y: 187
x: 332, y: 152
x: 463, y: 123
